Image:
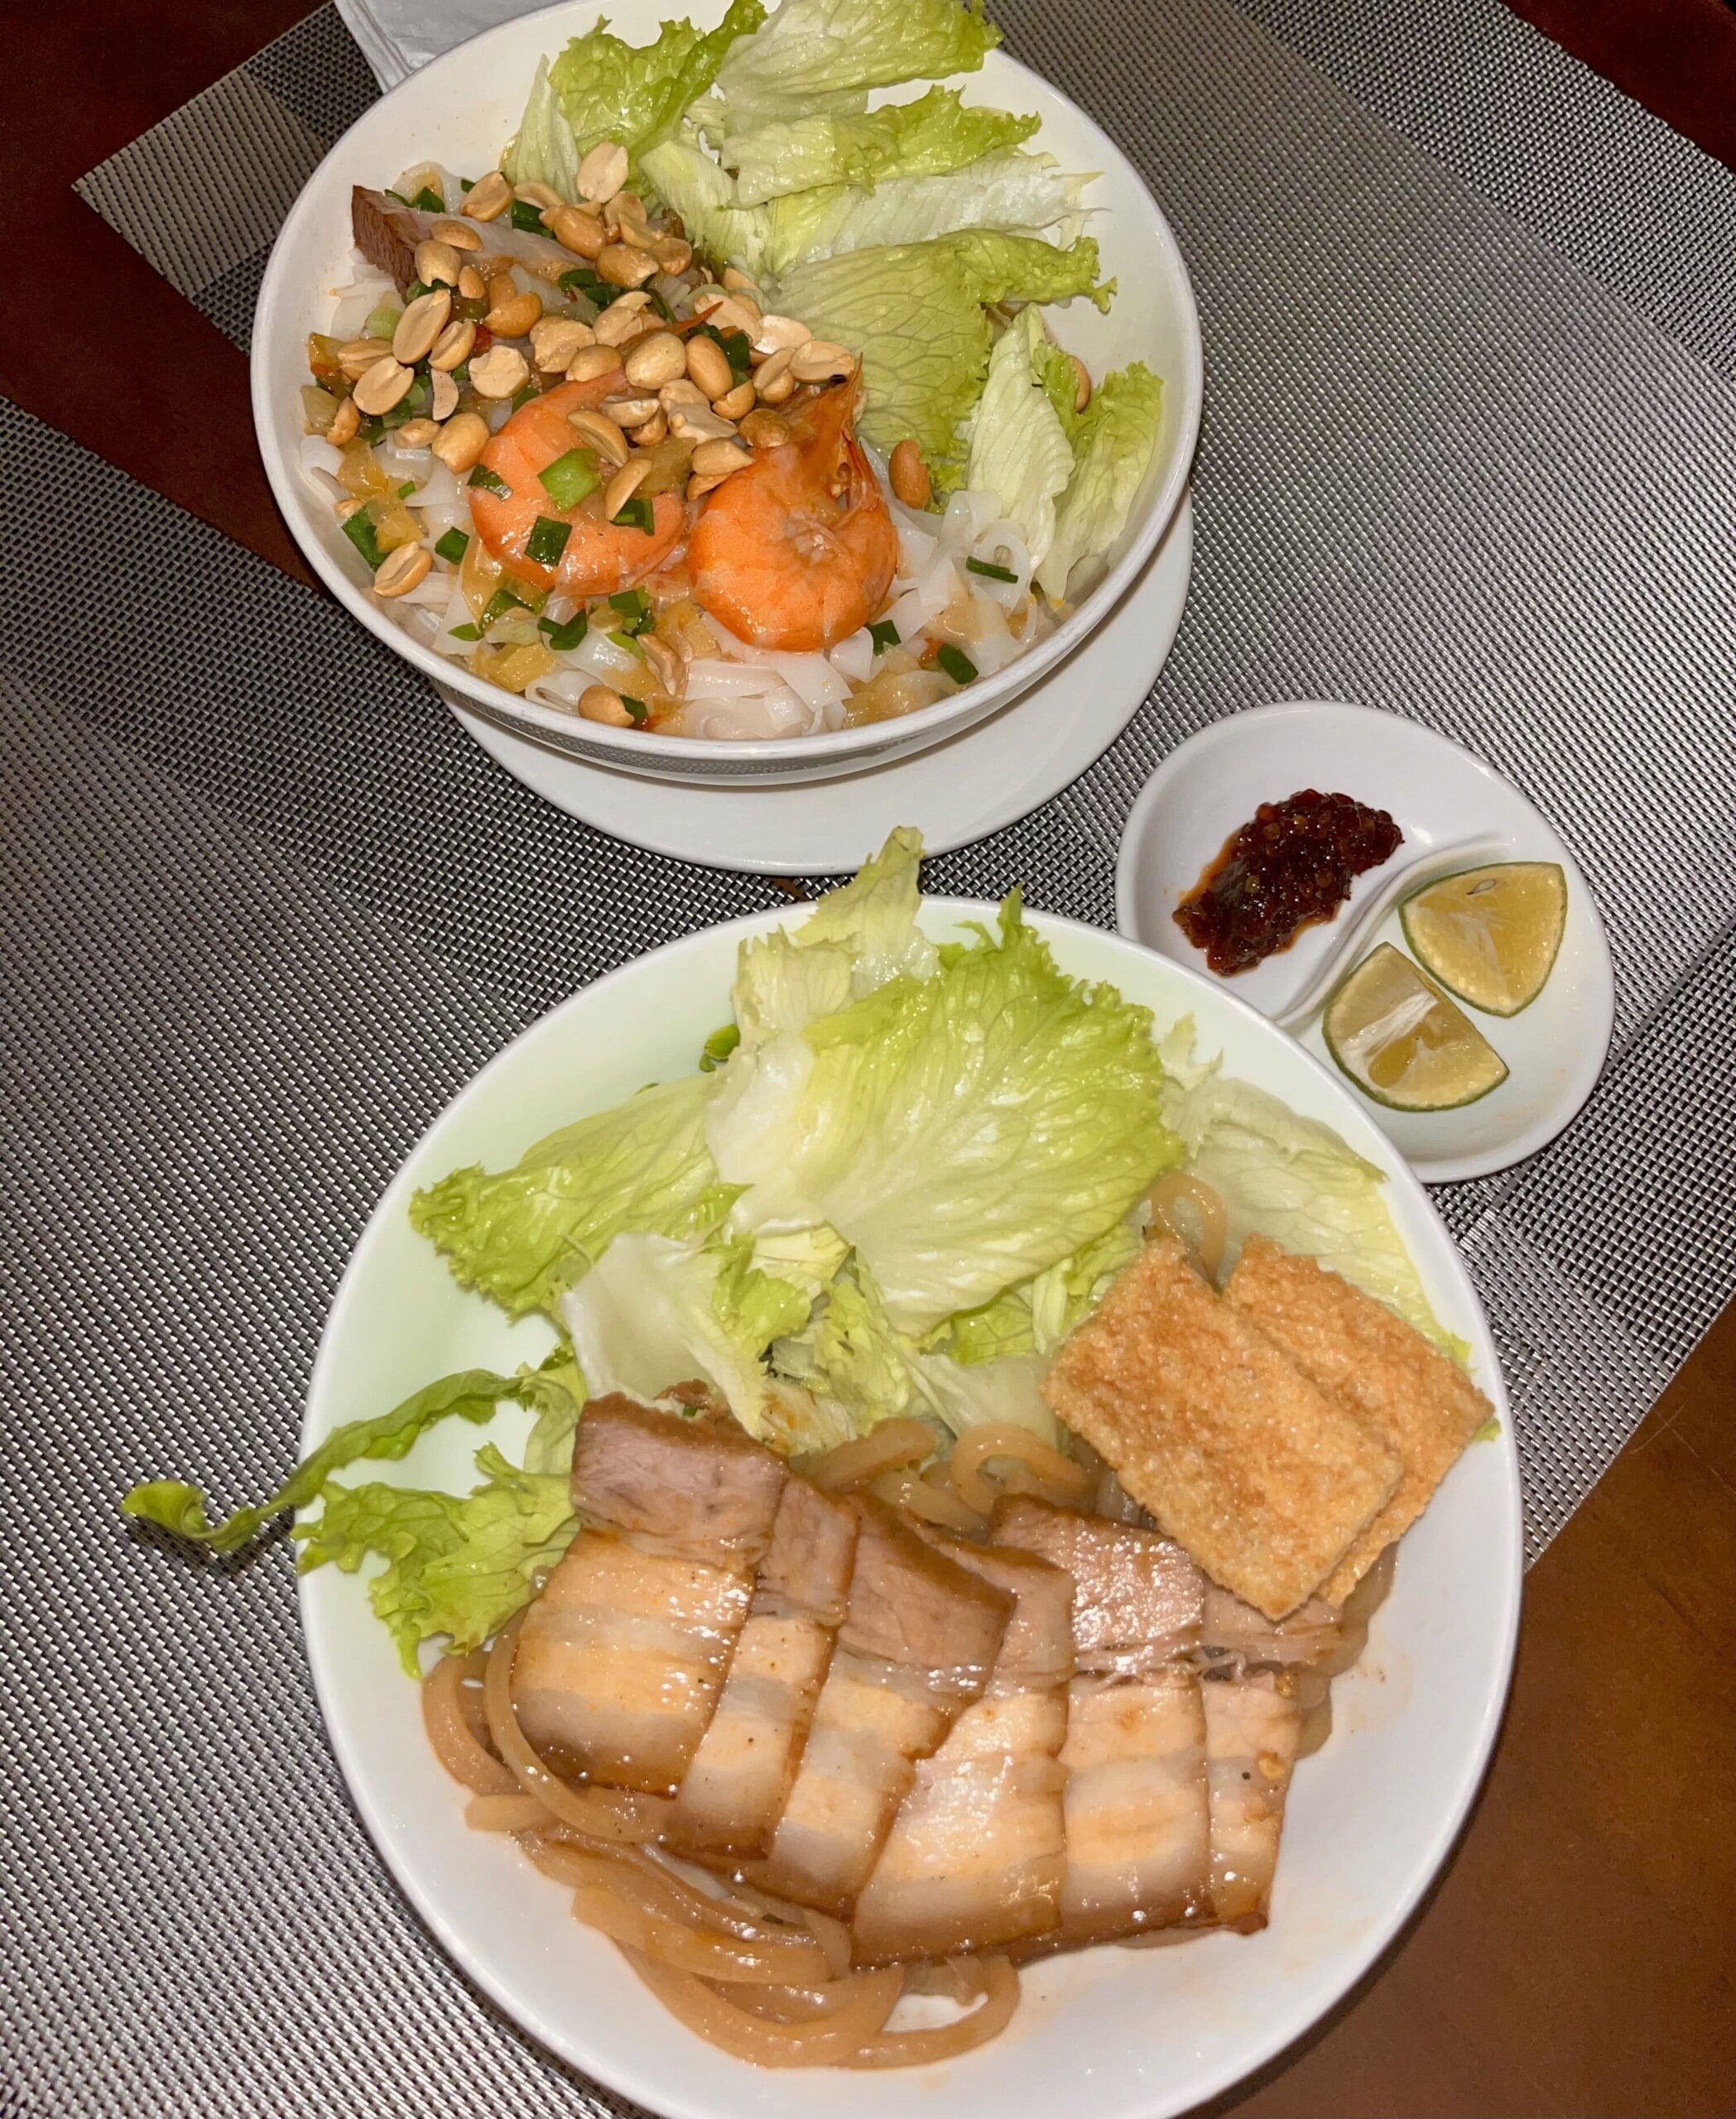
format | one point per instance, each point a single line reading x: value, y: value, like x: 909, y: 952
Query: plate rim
x: 626, y: 2078
x: 1431, y: 1169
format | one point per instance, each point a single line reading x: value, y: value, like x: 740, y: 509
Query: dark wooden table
x: 1578, y: 1956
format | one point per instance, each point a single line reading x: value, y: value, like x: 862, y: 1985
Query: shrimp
x: 798, y: 551
x: 600, y: 557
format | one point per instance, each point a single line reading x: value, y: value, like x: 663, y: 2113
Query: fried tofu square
x: 1262, y: 1476
x: 1402, y: 1390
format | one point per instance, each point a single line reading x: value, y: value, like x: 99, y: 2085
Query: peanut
x: 598, y: 703
x: 556, y: 339
x: 708, y: 366
x: 602, y: 172
x: 1082, y: 394
x: 382, y: 385
x: 773, y: 383
x: 575, y: 230
x: 909, y: 475
x: 734, y: 403
x: 471, y: 284
x: 657, y: 357
x: 401, y: 569
x: 420, y: 324
x: 598, y: 431
x: 488, y: 199
x: 445, y: 395
x: 417, y: 434
x: 437, y: 264
x: 624, y: 484
x: 719, y: 458
x: 456, y: 235
x: 462, y: 440
x: 543, y: 197
x: 821, y: 361
x: 513, y: 318
x: 501, y: 371
x: 590, y: 362
x: 764, y: 430
x: 344, y: 422
x: 359, y: 355
x: 619, y: 265
x: 452, y: 349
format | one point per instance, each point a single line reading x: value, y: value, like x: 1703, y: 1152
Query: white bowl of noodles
x: 458, y: 112
x: 1140, y: 2034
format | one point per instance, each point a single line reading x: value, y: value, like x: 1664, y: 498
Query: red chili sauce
x: 1291, y: 864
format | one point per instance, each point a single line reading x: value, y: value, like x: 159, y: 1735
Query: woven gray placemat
x: 269, y: 907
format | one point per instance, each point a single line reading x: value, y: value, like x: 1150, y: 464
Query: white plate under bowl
x: 1117, y: 2034
x: 459, y: 110
x: 952, y: 792
x: 1437, y: 792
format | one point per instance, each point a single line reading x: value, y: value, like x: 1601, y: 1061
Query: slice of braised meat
x: 735, y: 1789
x: 386, y: 234
x: 976, y: 1854
x: 918, y: 1643
x: 1252, y: 1728
x: 622, y: 1657
x: 1141, y: 1599
x: 1135, y: 1807
x: 1234, y: 1635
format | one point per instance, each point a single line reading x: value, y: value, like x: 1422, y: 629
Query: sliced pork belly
x: 621, y: 1659
x: 1135, y: 1807
x: 735, y: 1789
x: 386, y: 234
x: 1252, y: 1728
x: 976, y: 1854
x: 917, y: 1644
x: 1234, y: 1635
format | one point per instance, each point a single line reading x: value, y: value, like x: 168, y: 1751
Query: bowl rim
x: 632, y: 751
x: 625, y: 2073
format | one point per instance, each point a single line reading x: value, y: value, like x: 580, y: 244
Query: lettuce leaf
x: 1295, y: 1180
x: 637, y: 93
x: 520, y: 1235
x: 961, y: 1132
x: 1016, y: 193
x: 689, y: 182
x: 915, y: 313
x: 652, y: 1313
x: 457, y: 1566
x: 936, y: 133
x: 474, y: 1394
x: 1113, y: 443
x: 544, y: 150
x: 1035, y: 1317
x: 825, y: 55
x: 1019, y: 449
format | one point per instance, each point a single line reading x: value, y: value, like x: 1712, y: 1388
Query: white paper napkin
x: 398, y: 35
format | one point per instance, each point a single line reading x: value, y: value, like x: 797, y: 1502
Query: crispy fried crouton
x: 1261, y: 1477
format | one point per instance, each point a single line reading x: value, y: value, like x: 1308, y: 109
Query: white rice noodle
x: 457, y: 613
x: 431, y: 593
x: 991, y: 645
x: 968, y: 515
x: 774, y: 711
x: 810, y: 677
x: 357, y: 300
x: 560, y: 689
x: 602, y: 661
x: 1001, y: 545
x: 853, y: 659
x: 418, y: 620
x: 322, y: 463
x: 921, y: 604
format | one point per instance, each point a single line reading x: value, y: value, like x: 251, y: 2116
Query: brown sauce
x: 1290, y: 865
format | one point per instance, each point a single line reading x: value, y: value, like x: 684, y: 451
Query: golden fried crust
x: 1398, y: 1385
x: 1264, y: 1478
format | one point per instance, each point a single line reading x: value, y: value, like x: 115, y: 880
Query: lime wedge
x: 1491, y: 935
x: 1403, y: 1042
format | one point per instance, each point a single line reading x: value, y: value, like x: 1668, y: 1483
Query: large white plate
x: 1440, y: 794
x: 1121, y: 2035
x: 996, y: 771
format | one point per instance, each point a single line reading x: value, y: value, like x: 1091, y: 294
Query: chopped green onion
x: 563, y: 639
x: 406, y: 490
x: 452, y: 545
x: 467, y: 184
x: 570, y: 478
x: 956, y: 662
x: 637, y: 712
x: 635, y: 514
x: 359, y: 529
x: 489, y: 481
x: 416, y: 290
x: 627, y: 644
x: 398, y: 195
x: 499, y: 603
x: 582, y: 280
x: 527, y: 218
x: 522, y: 395
x: 885, y: 635
x: 547, y: 541
x: 428, y: 200
x: 382, y: 321
x: 988, y: 571
x: 467, y: 633
x: 634, y: 606
x: 717, y: 1048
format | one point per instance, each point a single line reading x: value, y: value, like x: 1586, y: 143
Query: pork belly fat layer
x: 1253, y: 1726
x: 1405, y: 1391
x: 1137, y: 1598
x: 1262, y: 1476
x: 701, y: 1487
x: 621, y: 1659
x: 1137, y: 1827
x: 975, y: 1855
x: 917, y: 1644
x: 736, y: 1788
